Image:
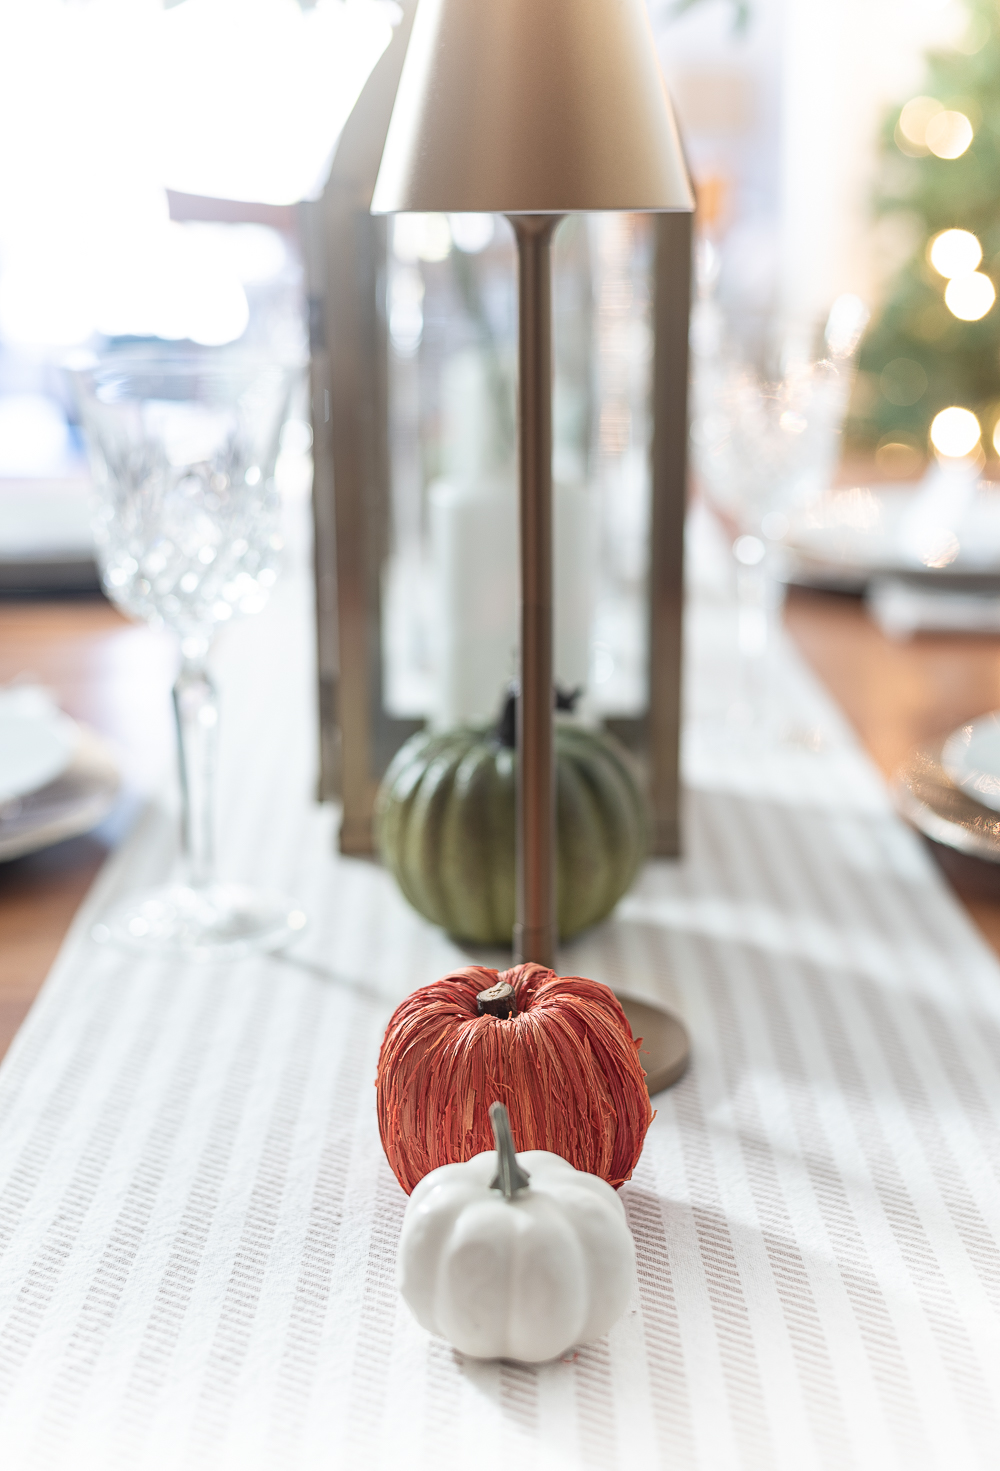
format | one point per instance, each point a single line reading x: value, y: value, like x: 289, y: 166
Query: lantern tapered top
x: 531, y: 106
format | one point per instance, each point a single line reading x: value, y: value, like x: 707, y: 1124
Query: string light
x: 948, y: 134
x: 970, y: 297
x: 955, y: 432
x: 914, y: 118
x: 954, y: 253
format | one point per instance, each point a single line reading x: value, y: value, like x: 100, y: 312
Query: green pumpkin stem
x: 505, y: 730
x: 510, y: 1178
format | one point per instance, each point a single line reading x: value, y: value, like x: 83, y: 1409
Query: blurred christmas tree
x: 935, y: 342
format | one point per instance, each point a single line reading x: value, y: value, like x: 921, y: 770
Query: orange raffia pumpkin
x: 556, y: 1051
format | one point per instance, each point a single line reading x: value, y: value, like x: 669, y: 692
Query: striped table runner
x: 198, y: 1226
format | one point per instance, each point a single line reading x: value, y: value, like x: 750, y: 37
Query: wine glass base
x: 742, y: 732
x: 217, y: 922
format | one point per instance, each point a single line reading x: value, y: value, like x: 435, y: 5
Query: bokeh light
x: 996, y: 436
x: 749, y: 551
x: 903, y: 382
x: 914, y: 118
x: 470, y: 232
x: 940, y: 547
x: 948, y: 134
x: 899, y: 457
x: 970, y: 297
x: 954, y: 253
x: 424, y: 237
x: 844, y: 326
x: 955, y: 432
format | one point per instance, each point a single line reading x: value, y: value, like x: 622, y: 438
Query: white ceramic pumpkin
x: 515, y: 1257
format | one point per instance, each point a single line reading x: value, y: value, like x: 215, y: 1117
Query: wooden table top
x: 116, y: 676
x: 899, y: 695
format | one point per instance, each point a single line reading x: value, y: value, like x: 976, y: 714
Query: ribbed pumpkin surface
x: 566, y: 1067
x: 445, y: 828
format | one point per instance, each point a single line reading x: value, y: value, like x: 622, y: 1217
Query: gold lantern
x: 494, y: 127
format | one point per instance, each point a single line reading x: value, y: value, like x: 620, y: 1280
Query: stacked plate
x: 951, y: 790
x: 926, y: 555
x: 57, y: 778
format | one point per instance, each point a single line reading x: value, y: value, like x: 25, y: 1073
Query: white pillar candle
x: 471, y: 430
x: 474, y: 558
x: 473, y: 533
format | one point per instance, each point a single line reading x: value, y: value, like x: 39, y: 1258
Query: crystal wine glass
x: 764, y: 450
x: 187, y: 529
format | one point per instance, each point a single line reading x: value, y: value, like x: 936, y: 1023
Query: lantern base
x: 666, y: 1047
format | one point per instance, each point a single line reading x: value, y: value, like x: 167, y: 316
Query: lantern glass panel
x: 449, y: 579
x: 622, y: 258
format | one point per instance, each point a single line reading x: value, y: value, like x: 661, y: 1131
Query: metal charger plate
x: 928, y: 798
x: 666, y: 1048
x: 71, y: 804
x: 971, y: 758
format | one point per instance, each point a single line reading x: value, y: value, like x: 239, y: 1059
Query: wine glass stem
x: 197, y: 713
x: 760, y: 598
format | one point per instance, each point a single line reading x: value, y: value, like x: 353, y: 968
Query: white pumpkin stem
x: 510, y: 1178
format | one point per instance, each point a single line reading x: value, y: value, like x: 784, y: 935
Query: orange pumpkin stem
x: 498, y: 1000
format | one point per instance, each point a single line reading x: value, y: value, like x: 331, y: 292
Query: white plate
x: 851, y: 534
x: 971, y: 757
x: 74, y: 803
x: 37, y: 741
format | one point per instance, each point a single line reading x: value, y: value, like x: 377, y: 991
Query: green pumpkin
x: 445, y: 827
